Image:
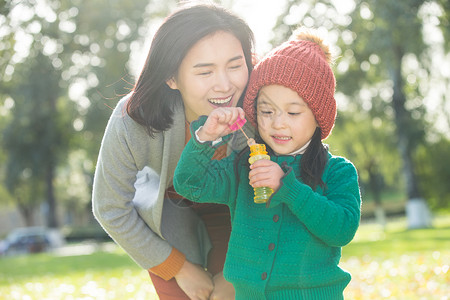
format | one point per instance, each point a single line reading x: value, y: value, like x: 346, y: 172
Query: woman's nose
x: 223, y: 82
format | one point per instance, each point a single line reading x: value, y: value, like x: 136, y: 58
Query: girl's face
x: 285, y: 122
x: 212, y: 74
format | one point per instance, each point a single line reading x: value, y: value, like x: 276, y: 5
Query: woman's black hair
x: 152, y: 101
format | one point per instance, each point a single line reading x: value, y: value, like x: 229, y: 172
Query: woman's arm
x: 113, y: 192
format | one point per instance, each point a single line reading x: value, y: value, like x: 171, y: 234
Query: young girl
x: 200, y: 59
x: 290, y: 247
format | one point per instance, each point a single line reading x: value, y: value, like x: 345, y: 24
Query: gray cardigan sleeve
x: 124, y: 147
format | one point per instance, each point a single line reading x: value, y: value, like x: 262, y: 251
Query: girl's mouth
x: 221, y: 102
x: 281, y: 139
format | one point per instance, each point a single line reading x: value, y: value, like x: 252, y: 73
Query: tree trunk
x: 52, y: 220
x: 27, y: 214
x: 375, y: 186
x: 416, y: 211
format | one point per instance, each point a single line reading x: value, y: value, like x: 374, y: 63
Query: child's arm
x: 198, y: 177
x: 333, y: 218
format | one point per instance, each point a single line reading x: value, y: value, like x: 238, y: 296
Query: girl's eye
x: 266, y: 112
x: 293, y: 114
x: 204, y: 73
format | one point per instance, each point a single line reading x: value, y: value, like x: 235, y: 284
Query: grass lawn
x: 394, y: 263
x: 397, y: 263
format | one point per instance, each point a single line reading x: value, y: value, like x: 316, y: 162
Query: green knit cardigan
x: 291, y: 248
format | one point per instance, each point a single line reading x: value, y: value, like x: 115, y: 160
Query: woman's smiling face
x: 285, y: 122
x: 212, y: 74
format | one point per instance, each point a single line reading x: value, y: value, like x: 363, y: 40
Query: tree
x: 36, y: 137
x: 57, y: 59
x: 377, y: 162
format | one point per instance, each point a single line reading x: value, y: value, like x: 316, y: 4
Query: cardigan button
x: 276, y: 218
x: 264, y: 276
x: 271, y: 246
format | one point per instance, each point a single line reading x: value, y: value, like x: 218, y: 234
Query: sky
x: 261, y: 16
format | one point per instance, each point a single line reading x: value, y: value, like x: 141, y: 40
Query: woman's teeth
x: 218, y: 101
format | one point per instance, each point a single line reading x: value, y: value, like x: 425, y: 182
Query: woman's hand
x: 265, y: 173
x: 223, y: 290
x: 194, y: 281
x: 218, y: 122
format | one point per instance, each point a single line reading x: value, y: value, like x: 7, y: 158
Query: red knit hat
x: 304, y: 66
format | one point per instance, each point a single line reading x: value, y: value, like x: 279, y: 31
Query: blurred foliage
x: 358, y: 136
x: 434, y: 172
x: 386, y: 31
x: 36, y: 137
x: 63, y: 65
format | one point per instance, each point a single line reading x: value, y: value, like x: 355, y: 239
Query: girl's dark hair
x: 152, y: 101
x: 313, y: 161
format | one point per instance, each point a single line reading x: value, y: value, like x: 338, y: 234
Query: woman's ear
x: 172, y: 83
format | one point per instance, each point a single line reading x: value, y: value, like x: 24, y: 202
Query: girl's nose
x: 278, y: 120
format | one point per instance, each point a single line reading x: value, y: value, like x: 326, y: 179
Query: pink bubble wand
x: 238, y: 125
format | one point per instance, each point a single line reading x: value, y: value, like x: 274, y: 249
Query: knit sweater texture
x: 290, y: 249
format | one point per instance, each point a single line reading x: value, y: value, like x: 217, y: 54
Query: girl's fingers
x: 260, y: 174
x: 262, y: 163
x: 227, y: 115
x: 265, y: 173
x: 241, y: 113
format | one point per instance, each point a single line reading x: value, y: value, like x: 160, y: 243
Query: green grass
x: 391, y: 263
x: 396, y: 240
x: 105, y: 274
x: 22, y: 268
x: 397, y: 263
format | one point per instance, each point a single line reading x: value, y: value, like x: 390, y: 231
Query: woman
x: 200, y: 59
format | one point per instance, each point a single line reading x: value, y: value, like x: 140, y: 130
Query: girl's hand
x: 195, y: 281
x: 265, y: 173
x: 223, y: 290
x: 218, y: 122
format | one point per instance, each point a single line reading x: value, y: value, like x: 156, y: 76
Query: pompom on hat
x: 303, y: 65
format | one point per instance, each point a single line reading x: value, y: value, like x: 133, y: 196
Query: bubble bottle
x: 257, y: 152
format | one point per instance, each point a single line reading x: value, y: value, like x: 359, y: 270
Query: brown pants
x: 219, y: 228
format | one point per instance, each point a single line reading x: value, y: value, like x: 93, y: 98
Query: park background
x: 65, y: 64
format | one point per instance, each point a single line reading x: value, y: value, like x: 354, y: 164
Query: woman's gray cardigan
x: 132, y: 174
